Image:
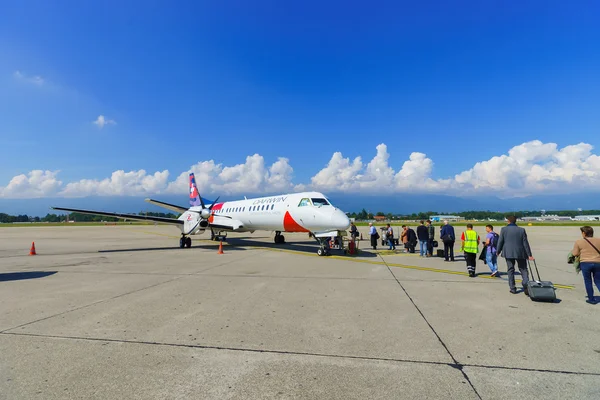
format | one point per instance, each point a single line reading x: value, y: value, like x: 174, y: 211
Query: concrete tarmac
x: 120, y: 312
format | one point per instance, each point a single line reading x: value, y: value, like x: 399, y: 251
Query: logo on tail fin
x: 194, y: 195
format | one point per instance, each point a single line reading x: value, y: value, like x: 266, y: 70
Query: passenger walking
x: 470, y: 242
x: 491, y: 245
x: 404, y: 237
x: 430, y: 238
x: 390, y: 237
x: 412, y: 239
x: 514, y: 247
x: 448, y: 237
x: 374, y: 235
x: 423, y: 236
x: 588, y: 250
x: 384, y: 240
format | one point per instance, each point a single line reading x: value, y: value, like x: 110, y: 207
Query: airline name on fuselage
x: 270, y: 200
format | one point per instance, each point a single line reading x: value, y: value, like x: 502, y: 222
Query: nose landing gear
x: 323, y: 249
x: 279, y: 238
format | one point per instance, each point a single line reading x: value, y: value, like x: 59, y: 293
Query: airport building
x: 586, y: 218
x: 440, y: 218
x: 546, y: 218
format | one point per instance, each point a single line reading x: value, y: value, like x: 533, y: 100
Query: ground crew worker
x: 470, y: 243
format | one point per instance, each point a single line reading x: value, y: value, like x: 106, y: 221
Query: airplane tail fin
x: 194, y: 195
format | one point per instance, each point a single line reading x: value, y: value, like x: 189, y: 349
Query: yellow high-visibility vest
x: 470, y: 242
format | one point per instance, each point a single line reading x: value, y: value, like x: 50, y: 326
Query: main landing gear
x: 279, y: 238
x: 217, y: 237
x: 185, y: 242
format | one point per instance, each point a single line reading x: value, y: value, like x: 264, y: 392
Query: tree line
x: 469, y: 215
x: 362, y: 215
x: 77, y: 217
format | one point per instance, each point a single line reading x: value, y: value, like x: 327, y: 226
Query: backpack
x: 494, y: 240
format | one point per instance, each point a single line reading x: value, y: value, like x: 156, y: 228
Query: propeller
x: 206, y: 211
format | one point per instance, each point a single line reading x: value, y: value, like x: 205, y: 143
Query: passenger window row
x: 243, y: 209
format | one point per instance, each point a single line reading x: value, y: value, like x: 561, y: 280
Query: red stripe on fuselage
x: 290, y: 225
x: 216, y: 207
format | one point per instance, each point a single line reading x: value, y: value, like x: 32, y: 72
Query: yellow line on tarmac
x: 447, y: 271
x: 415, y: 267
x: 358, y: 260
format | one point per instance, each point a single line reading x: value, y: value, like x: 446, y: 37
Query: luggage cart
x: 332, y: 243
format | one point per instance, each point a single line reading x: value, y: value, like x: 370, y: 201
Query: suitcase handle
x: 536, y: 270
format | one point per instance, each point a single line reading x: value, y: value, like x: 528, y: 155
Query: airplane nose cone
x: 339, y: 220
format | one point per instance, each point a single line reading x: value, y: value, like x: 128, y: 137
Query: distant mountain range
x: 397, y: 204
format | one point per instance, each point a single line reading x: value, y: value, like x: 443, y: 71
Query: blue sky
x: 460, y: 83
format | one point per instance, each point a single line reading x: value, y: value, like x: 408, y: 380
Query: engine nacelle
x: 190, y: 223
x: 204, y: 223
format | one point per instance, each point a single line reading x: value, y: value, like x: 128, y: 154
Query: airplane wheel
x: 281, y: 239
x: 182, y: 242
x: 188, y: 242
x: 321, y: 252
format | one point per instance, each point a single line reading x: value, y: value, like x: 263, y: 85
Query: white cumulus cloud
x: 35, y: 184
x: 34, y: 79
x: 101, y: 121
x: 121, y: 183
x: 344, y: 175
x: 530, y: 168
x: 251, y: 177
x: 340, y: 173
x: 535, y: 167
x: 280, y: 175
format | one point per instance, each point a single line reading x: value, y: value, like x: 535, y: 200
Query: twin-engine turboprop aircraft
x: 298, y: 212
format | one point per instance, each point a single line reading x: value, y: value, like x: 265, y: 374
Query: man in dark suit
x: 448, y: 237
x: 514, y: 247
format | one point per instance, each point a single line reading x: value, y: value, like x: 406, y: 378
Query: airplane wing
x: 172, y: 207
x: 124, y: 216
x: 226, y: 223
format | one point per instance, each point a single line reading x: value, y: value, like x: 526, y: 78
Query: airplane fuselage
x: 297, y: 212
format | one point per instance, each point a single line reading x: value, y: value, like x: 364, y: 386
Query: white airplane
x: 309, y: 212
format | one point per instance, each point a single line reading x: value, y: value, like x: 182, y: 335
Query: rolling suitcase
x: 540, y: 290
x: 440, y: 252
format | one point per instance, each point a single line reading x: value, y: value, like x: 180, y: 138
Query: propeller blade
x: 205, y: 208
x: 214, y: 202
x: 202, y: 202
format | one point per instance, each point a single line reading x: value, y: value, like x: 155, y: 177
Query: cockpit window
x: 304, y: 202
x: 320, y: 202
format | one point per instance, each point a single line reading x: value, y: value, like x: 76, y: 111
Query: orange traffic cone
x: 32, y: 250
x: 220, y: 248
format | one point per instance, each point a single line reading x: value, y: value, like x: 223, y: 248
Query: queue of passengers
x: 511, y: 243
